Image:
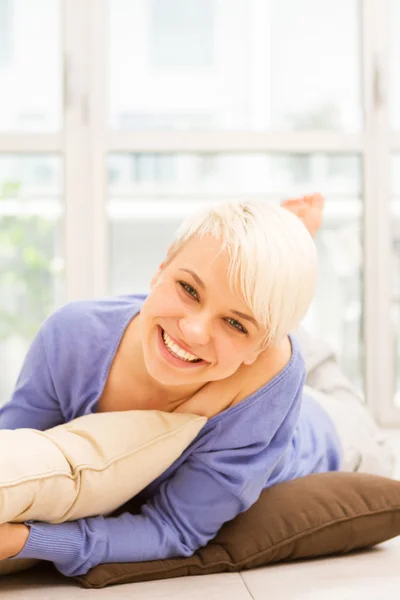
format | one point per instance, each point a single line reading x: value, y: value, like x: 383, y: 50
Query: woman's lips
x: 178, y: 362
x: 182, y: 345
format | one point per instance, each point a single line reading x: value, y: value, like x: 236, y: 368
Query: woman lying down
x: 214, y: 337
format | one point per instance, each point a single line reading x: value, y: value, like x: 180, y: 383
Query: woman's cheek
x: 228, y: 351
x: 164, y: 301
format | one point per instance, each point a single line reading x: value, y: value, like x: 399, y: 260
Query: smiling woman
x: 214, y: 338
x: 254, y: 261
x: 250, y: 272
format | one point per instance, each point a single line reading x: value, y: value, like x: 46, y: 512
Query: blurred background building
x: 119, y: 117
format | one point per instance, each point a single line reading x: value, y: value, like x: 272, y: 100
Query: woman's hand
x: 309, y: 209
x: 13, y: 537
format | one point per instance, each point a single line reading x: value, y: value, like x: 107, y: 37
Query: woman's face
x: 193, y: 328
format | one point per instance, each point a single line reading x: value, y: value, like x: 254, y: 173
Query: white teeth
x: 176, y: 349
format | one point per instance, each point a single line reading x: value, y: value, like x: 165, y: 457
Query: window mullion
x: 98, y: 124
x: 78, y: 244
x: 379, y: 361
x: 395, y: 142
x: 23, y: 143
x: 234, y: 141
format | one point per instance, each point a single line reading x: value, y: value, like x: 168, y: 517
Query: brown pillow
x: 317, y: 515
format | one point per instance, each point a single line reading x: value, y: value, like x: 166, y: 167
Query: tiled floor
x: 368, y: 575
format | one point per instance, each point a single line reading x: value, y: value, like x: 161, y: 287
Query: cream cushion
x: 89, y: 466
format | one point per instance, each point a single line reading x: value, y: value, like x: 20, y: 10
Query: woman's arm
x: 185, y: 514
x: 224, y: 477
x: 13, y: 537
x: 212, y: 486
x: 34, y: 402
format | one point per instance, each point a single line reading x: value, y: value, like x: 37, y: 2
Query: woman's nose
x: 195, y: 330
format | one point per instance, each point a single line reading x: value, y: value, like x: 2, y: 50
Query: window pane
x: 234, y: 64
x: 316, y: 66
x: 151, y: 194
x: 394, y: 96
x: 395, y: 207
x: 30, y: 75
x: 31, y: 281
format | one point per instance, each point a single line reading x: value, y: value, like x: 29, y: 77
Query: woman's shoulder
x: 82, y: 331
x: 80, y: 339
x: 272, y: 407
x: 86, y: 318
x: 275, y: 374
x: 271, y: 365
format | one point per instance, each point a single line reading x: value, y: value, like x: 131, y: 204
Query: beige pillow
x: 89, y: 466
x: 317, y: 515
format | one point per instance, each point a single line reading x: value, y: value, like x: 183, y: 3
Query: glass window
x: 316, y: 66
x: 394, y: 96
x: 5, y: 27
x: 30, y: 57
x: 150, y: 194
x: 234, y: 64
x: 182, y: 33
x: 31, y: 264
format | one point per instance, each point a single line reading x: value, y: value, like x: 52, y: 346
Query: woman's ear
x: 161, y: 268
x: 252, y: 357
x: 156, y: 277
x: 254, y: 354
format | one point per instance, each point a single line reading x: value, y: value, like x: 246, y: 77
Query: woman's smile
x: 174, y: 354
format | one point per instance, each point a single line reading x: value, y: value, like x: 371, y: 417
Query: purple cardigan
x: 276, y: 434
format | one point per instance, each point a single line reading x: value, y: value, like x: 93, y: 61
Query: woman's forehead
x: 206, y: 251
x: 209, y: 265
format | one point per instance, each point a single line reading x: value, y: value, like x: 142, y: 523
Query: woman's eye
x: 236, y: 325
x: 189, y: 290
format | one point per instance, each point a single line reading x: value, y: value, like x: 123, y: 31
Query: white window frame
x: 85, y: 142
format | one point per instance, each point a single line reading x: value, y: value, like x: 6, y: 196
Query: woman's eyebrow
x: 237, y: 312
x: 244, y: 316
x: 195, y: 277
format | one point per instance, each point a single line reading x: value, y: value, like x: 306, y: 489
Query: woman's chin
x: 168, y: 381
x: 168, y: 375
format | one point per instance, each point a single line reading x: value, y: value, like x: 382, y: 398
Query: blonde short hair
x: 273, y: 259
